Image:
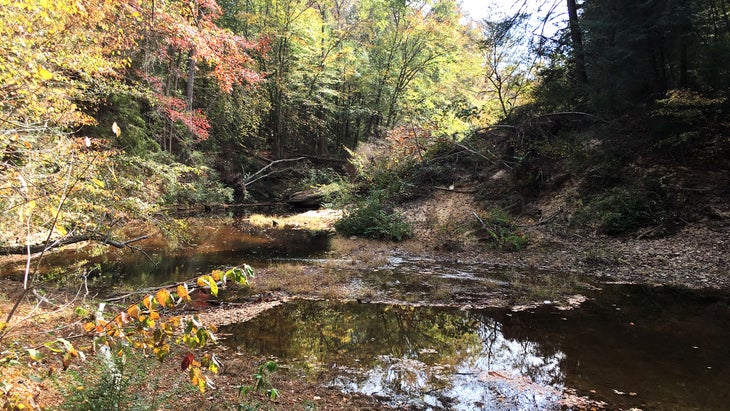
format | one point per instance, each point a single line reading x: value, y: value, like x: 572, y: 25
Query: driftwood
x: 260, y: 174
x: 37, y: 248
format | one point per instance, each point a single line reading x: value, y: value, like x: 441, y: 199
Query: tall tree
x: 576, y: 36
x: 507, y: 61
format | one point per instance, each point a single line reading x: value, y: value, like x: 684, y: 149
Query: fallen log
x: 68, y: 240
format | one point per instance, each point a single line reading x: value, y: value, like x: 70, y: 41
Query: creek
x: 626, y: 346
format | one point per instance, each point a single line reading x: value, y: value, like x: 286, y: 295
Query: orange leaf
x: 163, y: 297
x: 217, y: 274
x: 89, y: 327
x: 147, y: 301
x: 134, y: 311
x: 154, y: 315
x: 182, y: 292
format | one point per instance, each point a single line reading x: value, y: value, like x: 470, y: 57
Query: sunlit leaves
x: 182, y: 292
x: 47, y: 44
x: 164, y: 298
x: 144, y: 326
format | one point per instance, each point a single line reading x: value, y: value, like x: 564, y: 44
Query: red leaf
x: 187, y: 360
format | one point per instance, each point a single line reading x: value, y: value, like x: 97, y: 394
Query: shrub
x: 621, y: 210
x: 335, y: 190
x: 111, y: 382
x: 502, y: 233
x: 370, y: 219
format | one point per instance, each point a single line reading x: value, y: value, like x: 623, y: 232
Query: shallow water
x: 216, y: 242
x: 628, y: 346
x: 631, y: 346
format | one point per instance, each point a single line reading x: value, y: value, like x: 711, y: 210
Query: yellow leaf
x: 89, y: 327
x: 163, y: 297
x: 98, y: 182
x: 154, y: 315
x: 201, y: 281
x: 44, y: 74
x: 182, y: 292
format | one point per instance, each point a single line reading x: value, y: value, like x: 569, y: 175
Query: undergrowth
x: 371, y: 219
x: 501, y: 232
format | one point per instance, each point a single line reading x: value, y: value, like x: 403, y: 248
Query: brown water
x: 214, y: 242
x: 631, y: 346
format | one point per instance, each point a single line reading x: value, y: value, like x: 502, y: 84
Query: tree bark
x: 576, y: 36
x: 191, y: 80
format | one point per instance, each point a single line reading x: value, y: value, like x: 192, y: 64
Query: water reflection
x: 214, y: 242
x: 424, y: 357
x: 630, y: 347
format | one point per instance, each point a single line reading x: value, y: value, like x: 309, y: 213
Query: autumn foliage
x: 59, y: 57
x: 151, y: 326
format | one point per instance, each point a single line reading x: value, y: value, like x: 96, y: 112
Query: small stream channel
x: 628, y: 346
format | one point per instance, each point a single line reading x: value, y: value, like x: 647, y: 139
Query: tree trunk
x: 191, y: 80
x: 577, y: 39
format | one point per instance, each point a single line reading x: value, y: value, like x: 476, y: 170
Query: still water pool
x: 628, y: 346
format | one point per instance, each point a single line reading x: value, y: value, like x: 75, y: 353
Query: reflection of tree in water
x: 506, y: 373
x: 426, y: 356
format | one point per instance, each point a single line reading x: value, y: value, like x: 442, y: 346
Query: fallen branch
x: 572, y: 113
x: 480, y: 220
x: 455, y: 190
x: 258, y: 175
x: 38, y: 248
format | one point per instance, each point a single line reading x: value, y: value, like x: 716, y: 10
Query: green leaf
x: 53, y: 346
x: 271, y: 365
x: 245, y: 390
x: 34, y: 354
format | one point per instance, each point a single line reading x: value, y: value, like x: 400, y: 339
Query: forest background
x: 119, y: 112
x: 114, y: 111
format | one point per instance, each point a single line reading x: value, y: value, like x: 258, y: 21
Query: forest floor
x: 695, y: 257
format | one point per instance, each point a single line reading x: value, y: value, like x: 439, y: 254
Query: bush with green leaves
x: 502, y: 232
x: 369, y: 218
x: 334, y: 188
x: 621, y: 210
x: 112, y: 382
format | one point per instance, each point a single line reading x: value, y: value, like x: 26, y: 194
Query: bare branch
x: 258, y: 175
